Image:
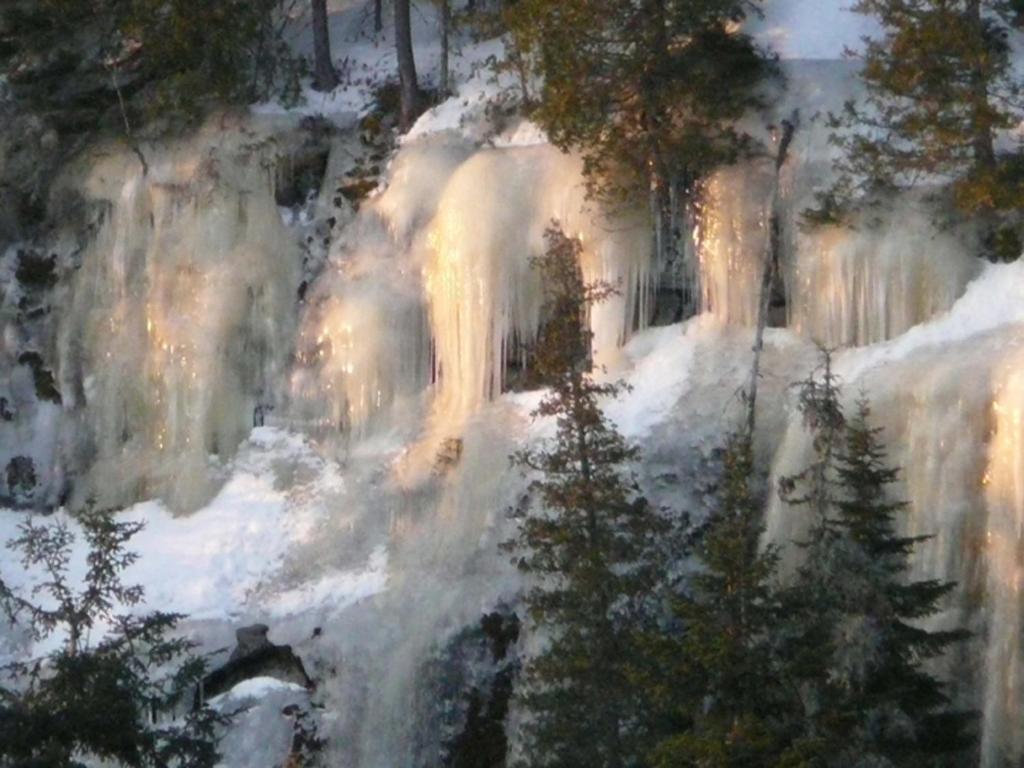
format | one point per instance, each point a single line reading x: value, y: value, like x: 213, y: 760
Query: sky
x: 811, y: 29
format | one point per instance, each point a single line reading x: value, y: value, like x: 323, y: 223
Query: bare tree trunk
x: 770, y: 271
x: 378, y: 16
x: 983, y: 140
x: 446, y: 22
x: 324, y: 76
x: 411, y: 95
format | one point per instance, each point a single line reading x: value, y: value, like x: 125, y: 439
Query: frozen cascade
x: 181, y: 320
x: 484, y: 297
x: 892, y: 269
x: 962, y: 453
x: 433, y: 283
x: 846, y: 285
x: 899, y: 264
x: 1004, y: 543
x: 178, y: 322
x: 364, y: 342
x: 730, y: 240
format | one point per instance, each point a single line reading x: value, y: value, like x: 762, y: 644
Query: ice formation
x: 896, y: 265
x: 485, y: 297
x: 179, y: 319
x: 952, y: 414
x: 181, y: 326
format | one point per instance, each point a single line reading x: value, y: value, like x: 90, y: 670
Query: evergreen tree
x: 89, y: 64
x: 859, y: 649
x: 588, y: 545
x: 806, y: 637
x: 940, y: 87
x: 724, y: 669
x: 98, y: 700
x: 649, y: 92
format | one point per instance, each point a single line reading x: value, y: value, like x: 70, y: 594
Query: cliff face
x: 322, y: 387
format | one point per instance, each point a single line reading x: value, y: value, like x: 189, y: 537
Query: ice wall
x: 731, y: 241
x: 894, y: 267
x: 954, y: 422
x: 182, y: 324
x: 898, y: 263
x: 178, y: 321
x: 432, y: 284
x: 484, y: 296
x: 1003, y: 709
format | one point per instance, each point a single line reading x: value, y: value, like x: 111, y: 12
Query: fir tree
x: 859, y: 649
x: 648, y: 92
x: 587, y: 545
x: 940, y: 88
x: 895, y: 706
x: 806, y: 637
x: 725, y: 671
x: 97, y: 699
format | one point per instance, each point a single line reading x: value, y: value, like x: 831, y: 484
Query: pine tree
x: 648, y: 92
x: 587, y: 545
x: 941, y: 86
x: 856, y: 641
x: 725, y: 671
x: 97, y: 699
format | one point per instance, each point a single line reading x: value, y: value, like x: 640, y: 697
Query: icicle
x: 730, y: 242
x: 179, y: 319
x: 485, y: 299
x: 872, y: 281
x: 1003, y: 712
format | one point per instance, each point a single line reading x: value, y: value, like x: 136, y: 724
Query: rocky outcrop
x: 469, y: 686
x: 254, y: 656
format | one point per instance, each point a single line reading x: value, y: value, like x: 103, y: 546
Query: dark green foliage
x: 940, y: 88
x: 97, y: 699
x: 854, y: 637
x: 649, y: 92
x: 87, y: 64
x: 726, y: 675
x: 483, y: 742
x: 307, y: 746
x: 232, y: 51
x: 588, y: 544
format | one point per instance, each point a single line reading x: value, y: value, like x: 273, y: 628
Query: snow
x: 250, y: 551
x: 335, y: 590
x: 221, y: 562
x: 255, y: 688
x: 524, y: 134
x: 261, y: 730
x: 476, y: 85
x: 660, y: 360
